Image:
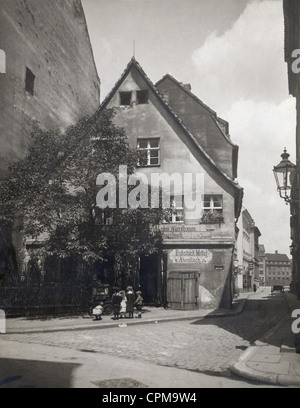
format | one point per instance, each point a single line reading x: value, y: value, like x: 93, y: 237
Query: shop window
x: 29, y: 81
x: 125, y: 98
x: 142, y: 97
x: 212, y: 209
x: 149, y: 152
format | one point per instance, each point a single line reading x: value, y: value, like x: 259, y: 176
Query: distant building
x: 262, y: 264
x: 50, y: 77
x: 278, y: 269
x: 247, y: 252
x: 175, y: 132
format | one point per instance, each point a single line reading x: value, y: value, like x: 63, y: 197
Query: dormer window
x: 142, y: 97
x: 125, y: 98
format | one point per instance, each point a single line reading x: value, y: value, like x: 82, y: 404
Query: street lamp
x: 282, y: 173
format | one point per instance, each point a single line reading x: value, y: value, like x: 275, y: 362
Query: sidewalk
x: 151, y: 315
x: 273, y: 359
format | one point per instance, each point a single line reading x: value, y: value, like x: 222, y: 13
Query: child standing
x: 139, y: 303
x: 123, y: 304
x: 116, y: 303
x: 130, y: 302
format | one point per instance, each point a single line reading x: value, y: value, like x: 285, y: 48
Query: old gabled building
x: 177, y: 134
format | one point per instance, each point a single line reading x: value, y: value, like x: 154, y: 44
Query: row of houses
x: 274, y: 268
x: 255, y: 266
x: 207, y: 250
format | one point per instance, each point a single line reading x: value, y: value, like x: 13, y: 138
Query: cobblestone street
x: 208, y: 346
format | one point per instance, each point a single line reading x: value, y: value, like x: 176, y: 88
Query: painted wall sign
x: 193, y: 232
x: 191, y: 256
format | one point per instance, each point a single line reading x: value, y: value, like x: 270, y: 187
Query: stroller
x: 101, y: 294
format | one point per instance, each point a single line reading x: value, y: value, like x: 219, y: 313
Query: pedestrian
x: 254, y: 288
x: 98, y: 311
x: 139, y: 303
x: 130, y: 302
x: 123, y: 304
x: 116, y: 303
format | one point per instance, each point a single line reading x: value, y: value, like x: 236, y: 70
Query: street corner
x: 267, y: 364
x: 242, y: 370
x: 248, y: 368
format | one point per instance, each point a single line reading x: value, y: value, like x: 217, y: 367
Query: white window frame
x: 149, y: 149
x: 212, y: 206
x: 176, y: 212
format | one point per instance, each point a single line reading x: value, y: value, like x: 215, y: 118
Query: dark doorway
x: 149, y: 279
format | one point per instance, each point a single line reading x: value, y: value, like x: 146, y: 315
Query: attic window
x: 125, y: 98
x: 29, y: 82
x: 142, y: 97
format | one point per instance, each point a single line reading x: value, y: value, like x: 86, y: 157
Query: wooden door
x: 182, y: 288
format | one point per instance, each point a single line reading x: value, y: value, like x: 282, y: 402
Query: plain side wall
x: 51, y: 39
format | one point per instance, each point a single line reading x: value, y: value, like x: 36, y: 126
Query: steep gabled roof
x: 218, y: 121
x: 134, y: 64
x: 187, y: 90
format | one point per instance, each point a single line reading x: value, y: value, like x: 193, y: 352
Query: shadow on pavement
x: 15, y: 373
x: 259, y: 316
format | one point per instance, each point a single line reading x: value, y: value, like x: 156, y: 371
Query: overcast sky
x: 231, y: 52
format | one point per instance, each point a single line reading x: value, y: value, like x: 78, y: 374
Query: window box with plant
x: 212, y: 210
x: 211, y: 217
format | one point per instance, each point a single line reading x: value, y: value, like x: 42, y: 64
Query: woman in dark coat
x: 130, y: 302
x: 116, y: 303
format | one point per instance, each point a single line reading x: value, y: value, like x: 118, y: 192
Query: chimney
x: 276, y: 252
x: 187, y: 87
